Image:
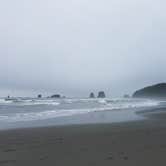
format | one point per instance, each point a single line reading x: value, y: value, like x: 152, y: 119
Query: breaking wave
x: 76, y: 107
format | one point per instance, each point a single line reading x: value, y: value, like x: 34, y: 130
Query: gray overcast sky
x: 77, y: 46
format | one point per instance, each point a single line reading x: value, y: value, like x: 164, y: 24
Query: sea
x: 39, y: 112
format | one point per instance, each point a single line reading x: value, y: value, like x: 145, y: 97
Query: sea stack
x: 91, y: 95
x: 39, y: 96
x: 101, y: 94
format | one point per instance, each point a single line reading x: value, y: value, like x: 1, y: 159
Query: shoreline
x: 143, y: 115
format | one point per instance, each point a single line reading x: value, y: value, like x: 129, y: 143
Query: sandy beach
x: 141, y: 143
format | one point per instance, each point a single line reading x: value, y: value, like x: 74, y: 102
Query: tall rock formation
x: 91, y: 95
x: 101, y: 94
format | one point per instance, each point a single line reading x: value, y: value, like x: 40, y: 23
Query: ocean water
x: 30, y: 112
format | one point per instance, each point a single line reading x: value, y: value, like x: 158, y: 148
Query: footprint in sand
x: 7, y: 161
x: 59, y: 140
x: 110, y: 157
x: 123, y: 156
x: 43, y: 158
x: 9, y: 150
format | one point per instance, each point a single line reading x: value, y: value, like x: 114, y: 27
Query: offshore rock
x: 56, y: 96
x: 101, y: 94
x: 91, y: 95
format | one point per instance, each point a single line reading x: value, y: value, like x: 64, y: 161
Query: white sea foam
x: 3, y: 101
x: 102, y: 101
x: 41, y: 102
x: 106, y: 105
x: 123, y: 104
x: 22, y: 102
x: 18, y: 117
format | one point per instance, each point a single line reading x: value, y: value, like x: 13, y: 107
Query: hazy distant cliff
x: 154, y: 91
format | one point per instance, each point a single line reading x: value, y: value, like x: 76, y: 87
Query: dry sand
x: 141, y: 143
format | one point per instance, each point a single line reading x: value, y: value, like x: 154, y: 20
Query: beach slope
x: 141, y: 143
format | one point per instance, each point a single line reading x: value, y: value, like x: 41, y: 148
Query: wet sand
x: 141, y: 143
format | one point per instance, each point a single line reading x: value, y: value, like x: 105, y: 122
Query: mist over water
x: 75, y: 47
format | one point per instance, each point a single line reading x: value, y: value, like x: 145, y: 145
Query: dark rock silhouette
x: 126, y: 96
x: 154, y: 91
x: 91, y: 95
x: 39, y: 96
x: 56, y: 96
x: 8, y: 98
x: 101, y: 94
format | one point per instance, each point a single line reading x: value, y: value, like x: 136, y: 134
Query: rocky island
x: 39, y: 96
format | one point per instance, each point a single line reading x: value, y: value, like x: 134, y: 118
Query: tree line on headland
x: 154, y: 91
